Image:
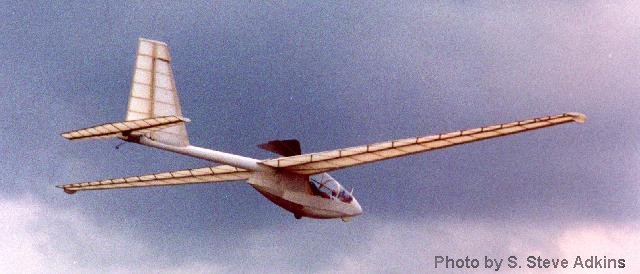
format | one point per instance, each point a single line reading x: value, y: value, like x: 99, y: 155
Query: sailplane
x: 297, y: 182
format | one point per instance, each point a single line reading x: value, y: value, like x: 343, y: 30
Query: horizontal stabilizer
x: 314, y: 163
x: 212, y: 174
x: 124, y: 128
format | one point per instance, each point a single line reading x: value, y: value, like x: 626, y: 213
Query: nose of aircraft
x: 357, y: 207
x: 355, y: 210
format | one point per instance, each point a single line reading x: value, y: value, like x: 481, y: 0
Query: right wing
x: 314, y: 163
x: 221, y: 173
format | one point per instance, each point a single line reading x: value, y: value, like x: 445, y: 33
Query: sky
x: 331, y: 75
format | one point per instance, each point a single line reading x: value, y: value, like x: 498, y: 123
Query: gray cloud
x: 37, y: 240
x: 332, y: 75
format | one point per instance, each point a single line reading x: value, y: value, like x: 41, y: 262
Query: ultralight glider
x: 296, y: 182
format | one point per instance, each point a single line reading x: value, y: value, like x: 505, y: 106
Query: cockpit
x: 325, y: 186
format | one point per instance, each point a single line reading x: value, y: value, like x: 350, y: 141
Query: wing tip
x: 66, y: 190
x: 69, y: 191
x: 66, y: 135
x: 578, y: 117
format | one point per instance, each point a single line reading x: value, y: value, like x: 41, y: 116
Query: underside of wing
x: 222, y: 173
x: 314, y: 163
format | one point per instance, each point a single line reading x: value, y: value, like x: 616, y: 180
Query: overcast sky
x: 331, y: 75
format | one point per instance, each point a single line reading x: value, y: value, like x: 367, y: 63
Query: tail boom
x: 205, y: 154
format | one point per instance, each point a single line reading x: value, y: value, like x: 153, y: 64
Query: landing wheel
x: 298, y: 216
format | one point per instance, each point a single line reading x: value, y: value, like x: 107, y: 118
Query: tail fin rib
x: 154, y: 94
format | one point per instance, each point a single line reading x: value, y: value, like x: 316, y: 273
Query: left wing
x: 221, y: 173
x: 314, y: 163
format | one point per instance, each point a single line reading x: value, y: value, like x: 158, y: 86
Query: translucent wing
x: 314, y: 163
x: 222, y: 173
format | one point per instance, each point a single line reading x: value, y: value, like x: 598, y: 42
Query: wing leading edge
x: 314, y: 163
x: 213, y: 174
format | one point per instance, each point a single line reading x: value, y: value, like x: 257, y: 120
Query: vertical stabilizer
x: 153, y: 92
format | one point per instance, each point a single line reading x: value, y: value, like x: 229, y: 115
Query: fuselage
x: 318, y: 196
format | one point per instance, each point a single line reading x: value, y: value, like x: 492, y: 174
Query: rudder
x: 153, y: 92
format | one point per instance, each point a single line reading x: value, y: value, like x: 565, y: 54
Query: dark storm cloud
x: 331, y: 75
